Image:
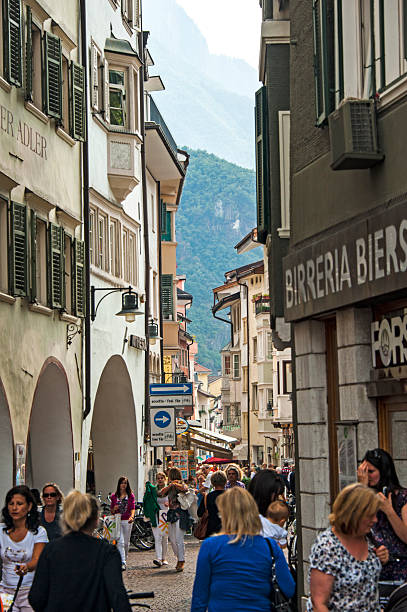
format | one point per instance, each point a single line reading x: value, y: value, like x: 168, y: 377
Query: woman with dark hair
x: 51, y: 512
x: 378, y: 472
x: 266, y: 486
x: 78, y: 571
x: 178, y: 519
x: 123, y: 502
x: 22, y: 540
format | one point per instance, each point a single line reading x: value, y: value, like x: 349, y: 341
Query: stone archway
x: 114, y: 430
x: 50, y: 445
x: 6, y: 446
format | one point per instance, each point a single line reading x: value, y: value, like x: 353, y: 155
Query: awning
x: 212, y: 435
x: 224, y: 453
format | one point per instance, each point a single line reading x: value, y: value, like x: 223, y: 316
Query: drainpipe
x: 248, y: 369
x: 160, y: 306
x: 146, y: 238
x: 85, y: 195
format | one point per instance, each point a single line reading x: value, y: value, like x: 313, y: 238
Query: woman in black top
x: 52, y: 498
x: 78, y: 571
x: 218, y: 481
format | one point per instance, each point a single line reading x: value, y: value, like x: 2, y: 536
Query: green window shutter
x: 79, y: 278
x: 324, y: 60
x: 29, y: 58
x: 77, y: 98
x: 167, y: 235
x: 52, y: 76
x: 33, y: 292
x: 163, y: 216
x: 167, y: 300
x: 56, y: 267
x: 12, y: 42
x: 262, y: 166
x: 18, y: 250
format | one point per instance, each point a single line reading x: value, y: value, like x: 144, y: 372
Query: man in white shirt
x: 206, y: 470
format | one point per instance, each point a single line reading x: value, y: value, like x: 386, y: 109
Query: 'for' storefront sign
x: 359, y: 262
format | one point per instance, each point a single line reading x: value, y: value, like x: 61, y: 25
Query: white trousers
x: 124, y: 541
x: 176, y: 537
x: 161, y: 543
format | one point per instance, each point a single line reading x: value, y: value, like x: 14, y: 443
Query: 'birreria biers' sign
x: 366, y: 259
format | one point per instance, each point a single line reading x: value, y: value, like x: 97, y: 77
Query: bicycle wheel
x: 142, y: 536
x: 292, y: 552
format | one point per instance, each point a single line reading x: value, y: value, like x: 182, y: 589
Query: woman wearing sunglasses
x: 50, y: 514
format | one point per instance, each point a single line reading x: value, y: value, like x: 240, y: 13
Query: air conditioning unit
x: 353, y: 134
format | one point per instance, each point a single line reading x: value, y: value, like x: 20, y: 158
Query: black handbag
x: 279, y: 602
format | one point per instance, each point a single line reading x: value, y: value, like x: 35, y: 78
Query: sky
x: 231, y: 27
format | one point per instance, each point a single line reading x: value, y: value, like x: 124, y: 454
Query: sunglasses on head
x: 49, y: 494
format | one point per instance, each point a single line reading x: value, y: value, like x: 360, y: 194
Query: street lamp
x: 153, y: 332
x: 129, y: 302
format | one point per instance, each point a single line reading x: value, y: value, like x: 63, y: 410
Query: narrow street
x: 172, y: 590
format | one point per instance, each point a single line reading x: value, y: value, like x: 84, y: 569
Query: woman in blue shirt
x: 234, y: 568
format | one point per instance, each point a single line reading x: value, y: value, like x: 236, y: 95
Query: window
x: 65, y: 94
x: 39, y: 259
x: 68, y: 273
x: 12, y: 39
x: 244, y: 325
x: 269, y: 346
x: 324, y: 59
x: 254, y: 398
x: 95, y: 78
x: 166, y: 235
x: 133, y: 259
x: 114, y: 257
x: 3, y: 246
x: 226, y: 415
x: 167, y: 297
x: 254, y: 350
x: 92, y: 235
x: 18, y: 249
x: 236, y: 366
x: 226, y: 365
x: 102, y: 254
x: 278, y: 379
x: 117, y: 97
x: 33, y: 51
x: 287, y: 377
x: 245, y: 373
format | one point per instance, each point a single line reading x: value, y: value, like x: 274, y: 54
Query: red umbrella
x: 216, y: 460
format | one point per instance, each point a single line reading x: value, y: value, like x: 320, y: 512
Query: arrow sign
x: 162, y: 419
x: 171, y: 389
x: 162, y: 426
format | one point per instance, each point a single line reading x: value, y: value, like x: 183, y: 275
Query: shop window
x: 117, y: 97
x: 287, y: 378
x: 3, y: 246
x: 226, y: 365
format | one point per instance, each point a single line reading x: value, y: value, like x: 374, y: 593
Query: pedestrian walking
x: 77, y: 571
x: 52, y: 499
x: 277, y: 514
x: 22, y: 540
x: 285, y: 472
x: 178, y: 519
x: 234, y: 567
x: 377, y: 471
x: 344, y: 565
x: 218, y: 482
x: 266, y: 487
x: 156, y: 508
x: 123, y: 502
x: 234, y: 476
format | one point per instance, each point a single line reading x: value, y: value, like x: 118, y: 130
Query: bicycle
x: 142, y: 536
x: 147, y: 595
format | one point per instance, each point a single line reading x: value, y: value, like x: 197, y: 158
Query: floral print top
x: 383, y: 533
x: 355, y: 582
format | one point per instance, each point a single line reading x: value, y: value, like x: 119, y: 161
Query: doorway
x: 393, y: 432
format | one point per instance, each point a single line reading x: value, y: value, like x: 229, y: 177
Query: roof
x: 248, y: 243
x: 226, y: 301
x: 245, y: 270
x: 184, y: 295
x: 201, y: 368
x: 120, y: 45
x: 214, y: 378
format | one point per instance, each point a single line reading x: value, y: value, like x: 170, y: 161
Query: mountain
x: 209, y: 99
x: 217, y: 209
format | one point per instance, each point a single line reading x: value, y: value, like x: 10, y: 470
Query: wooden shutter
x: 262, y: 166
x: 163, y: 216
x: 79, y: 278
x: 33, y: 292
x: 12, y: 41
x: 94, y: 76
x: 29, y: 58
x: 56, y: 266
x: 77, y: 98
x: 52, y: 76
x: 167, y: 300
x: 18, y: 249
x: 106, y: 99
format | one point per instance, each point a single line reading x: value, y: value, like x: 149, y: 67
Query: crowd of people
x: 51, y: 561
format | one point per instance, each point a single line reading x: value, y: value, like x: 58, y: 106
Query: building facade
x: 42, y: 121
x: 345, y: 288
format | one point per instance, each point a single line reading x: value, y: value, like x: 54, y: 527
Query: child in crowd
x: 277, y: 514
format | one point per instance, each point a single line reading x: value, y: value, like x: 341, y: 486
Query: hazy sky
x: 231, y: 27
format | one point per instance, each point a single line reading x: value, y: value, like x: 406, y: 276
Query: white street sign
x: 170, y: 400
x: 182, y: 425
x: 162, y: 426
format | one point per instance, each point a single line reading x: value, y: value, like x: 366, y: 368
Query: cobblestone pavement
x: 172, y: 590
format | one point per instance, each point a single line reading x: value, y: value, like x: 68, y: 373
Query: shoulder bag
x: 202, y: 525
x: 279, y: 602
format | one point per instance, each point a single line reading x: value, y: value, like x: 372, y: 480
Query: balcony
x: 262, y: 305
x: 124, y: 164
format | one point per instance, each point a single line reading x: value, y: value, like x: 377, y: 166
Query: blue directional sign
x: 171, y: 389
x: 162, y: 419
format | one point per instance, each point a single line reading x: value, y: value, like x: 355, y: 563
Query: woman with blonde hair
x: 234, y: 475
x: 234, y: 567
x: 178, y: 519
x: 78, y: 571
x: 52, y: 498
x: 344, y: 566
